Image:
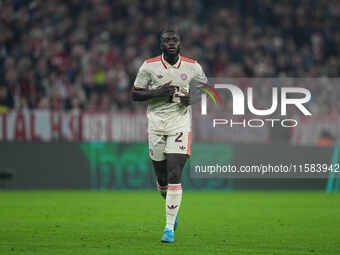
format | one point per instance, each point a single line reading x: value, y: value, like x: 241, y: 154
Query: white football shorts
x: 159, y: 145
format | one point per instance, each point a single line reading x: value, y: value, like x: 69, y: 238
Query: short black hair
x: 167, y: 29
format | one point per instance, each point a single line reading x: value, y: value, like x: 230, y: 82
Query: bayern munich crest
x: 184, y: 76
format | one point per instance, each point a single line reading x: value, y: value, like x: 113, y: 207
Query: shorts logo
x: 184, y: 76
x: 151, y: 152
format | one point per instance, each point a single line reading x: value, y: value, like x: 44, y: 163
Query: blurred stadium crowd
x: 84, y: 54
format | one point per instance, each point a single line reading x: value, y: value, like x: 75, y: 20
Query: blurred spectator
x: 6, y: 100
x: 43, y: 104
x: 52, y: 52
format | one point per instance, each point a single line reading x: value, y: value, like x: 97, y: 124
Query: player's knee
x: 174, y: 177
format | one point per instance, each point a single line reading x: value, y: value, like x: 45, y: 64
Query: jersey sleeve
x: 143, y: 78
x: 200, y: 76
x: 197, y: 82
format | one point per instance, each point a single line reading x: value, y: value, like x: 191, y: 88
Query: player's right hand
x: 165, y: 91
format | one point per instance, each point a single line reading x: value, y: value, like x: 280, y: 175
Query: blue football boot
x: 168, y: 236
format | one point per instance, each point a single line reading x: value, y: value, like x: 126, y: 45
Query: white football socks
x: 172, y: 203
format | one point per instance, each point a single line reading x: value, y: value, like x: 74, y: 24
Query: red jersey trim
x: 180, y: 62
x: 188, y: 60
x: 159, y: 58
x: 155, y: 59
x: 137, y: 88
x: 189, y: 144
x: 163, y: 63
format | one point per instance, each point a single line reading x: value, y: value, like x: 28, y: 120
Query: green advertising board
x: 128, y: 166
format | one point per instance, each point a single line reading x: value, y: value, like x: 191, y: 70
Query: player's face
x: 170, y: 43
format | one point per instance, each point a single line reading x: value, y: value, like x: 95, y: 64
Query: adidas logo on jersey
x: 159, y: 76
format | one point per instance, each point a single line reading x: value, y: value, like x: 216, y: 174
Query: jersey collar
x: 167, y: 65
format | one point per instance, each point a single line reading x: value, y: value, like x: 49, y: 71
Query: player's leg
x: 177, y: 150
x: 175, y: 164
x: 162, y: 176
x: 156, y: 153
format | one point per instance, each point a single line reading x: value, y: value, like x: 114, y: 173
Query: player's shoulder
x: 191, y: 64
x: 153, y: 59
x: 150, y: 63
x: 188, y: 60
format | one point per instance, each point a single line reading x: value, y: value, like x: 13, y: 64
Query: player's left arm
x: 197, y: 81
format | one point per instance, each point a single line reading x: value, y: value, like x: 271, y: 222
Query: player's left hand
x: 186, y: 100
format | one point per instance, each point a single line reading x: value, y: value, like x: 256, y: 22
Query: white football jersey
x: 166, y: 117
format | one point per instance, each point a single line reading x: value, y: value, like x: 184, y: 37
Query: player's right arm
x: 141, y: 92
x: 166, y: 91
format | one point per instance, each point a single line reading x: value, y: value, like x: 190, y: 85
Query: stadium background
x: 67, y: 67
x: 67, y: 122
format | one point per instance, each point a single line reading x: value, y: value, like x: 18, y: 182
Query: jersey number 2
x: 178, y: 138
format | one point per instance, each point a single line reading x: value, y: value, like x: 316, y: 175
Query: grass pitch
x: 280, y: 223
